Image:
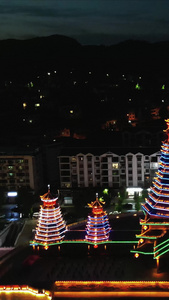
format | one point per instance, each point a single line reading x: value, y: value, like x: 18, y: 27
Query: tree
x: 122, y: 195
x: 137, y: 200
x: 2, y: 196
x: 144, y: 194
x: 25, y: 199
x: 81, y: 197
x: 106, y: 196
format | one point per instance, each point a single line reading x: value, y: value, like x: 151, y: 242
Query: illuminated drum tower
x: 97, y: 228
x: 154, y: 237
x: 51, y: 226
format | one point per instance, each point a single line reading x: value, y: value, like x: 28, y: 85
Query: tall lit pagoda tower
x: 51, y: 226
x: 97, y: 228
x: 154, y: 237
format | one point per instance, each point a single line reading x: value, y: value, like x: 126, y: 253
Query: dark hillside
x: 24, y: 56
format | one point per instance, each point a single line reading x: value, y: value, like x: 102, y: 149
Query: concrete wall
x: 3, y: 234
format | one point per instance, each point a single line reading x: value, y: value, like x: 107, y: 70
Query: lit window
x: 115, y: 165
x: 154, y: 165
x: 20, y: 161
x: 37, y: 104
x: 67, y: 185
x: 10, y: 167
x: 21, y: 180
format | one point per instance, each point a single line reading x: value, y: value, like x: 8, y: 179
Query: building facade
x: 108, y: 169
x: 21, y: 171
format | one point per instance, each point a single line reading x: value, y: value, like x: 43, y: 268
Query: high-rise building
x: 101, y: 168
x: 21, y: 169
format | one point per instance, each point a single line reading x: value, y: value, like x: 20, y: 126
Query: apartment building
x: 108, y: 169
x: 20, y: 170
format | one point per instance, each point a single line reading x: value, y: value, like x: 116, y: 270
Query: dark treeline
x: 34, y: 54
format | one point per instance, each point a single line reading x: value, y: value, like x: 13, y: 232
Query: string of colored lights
x: 97, y: 228
x: 154, y: 252
x: 156, y: 209
x: 33, y: 243
x: 51, y: 227
x: 16, y: 291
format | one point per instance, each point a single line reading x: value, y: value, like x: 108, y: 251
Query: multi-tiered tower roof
x: 51, y: 226
x: 97, y: 228
x: 154, y: 237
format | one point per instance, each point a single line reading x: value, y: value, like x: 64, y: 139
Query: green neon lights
x: 146, y: 237
x: 161, y: 243
x: 32, y: 243
x: 141, y: 252
x: 154, y: 224
x: 158, y: 250
x: 137, y: 87
x: 162, y: 253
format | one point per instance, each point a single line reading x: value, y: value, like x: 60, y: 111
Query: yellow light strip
x: 15, y: 289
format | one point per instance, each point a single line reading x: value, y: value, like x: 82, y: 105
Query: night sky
x: 88, y: 21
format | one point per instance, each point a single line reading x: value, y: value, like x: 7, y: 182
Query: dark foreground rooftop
x: 75, y: 262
